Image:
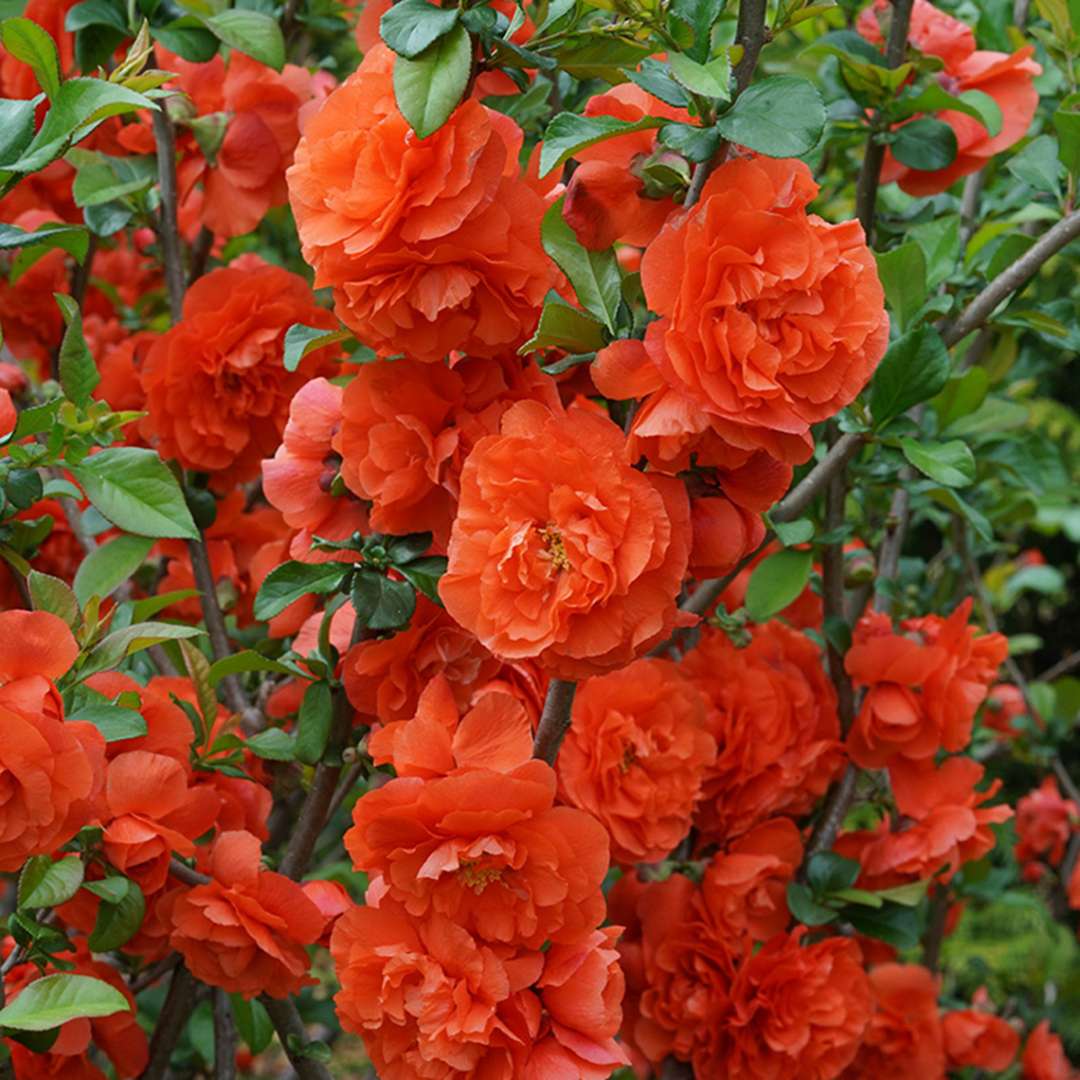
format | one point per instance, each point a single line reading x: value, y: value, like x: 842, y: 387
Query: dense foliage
x: 539, y: 541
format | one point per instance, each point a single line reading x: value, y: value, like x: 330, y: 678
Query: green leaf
x: 292, y: 580
x: 893, y: 923
x: 935, y: 98
x: 908, y: 895
x: 916, y: 367
x: 313, y: 723
x: 245, y: 661
x: 655, y: 78
x: 429, y: 87
x: 858, y: 896
x: 253, y: 1023
x: 113, y: 721
x: 403, y: 549
x: 568, y: 133
x: 949, y: 463
x: 73, y: 239
x: 380, y: 602
x: 805, y: 909
x: 776, y: 582
x: 925, y: 144
x: 273, y: 744
x: 423, y: 574
x: 44, y: 883
x: 50, y: 594
x: 187, y: 37
x: 28, y: 42
x: 117, y: 923
x: 1067, y: 125
x: 16, y: 128
x: 781, y: 116
x: 110, y: 565
x: 80, y: 103
x: 1038, y: 165
x: 95, y: 13
x: 594, y: 274
x: 711, y: 80
x: 135, y: 490
x: 56, y: 999
x: 410, y: 26
x: 962, y: 395
x: 827, y: 872
x: 252, y: 32
x: 110, y: 889
x: 78, y: 372
x: 122, y: 643
x: 564, y: 327
x: 301, y: 340
x: 693, y: 142
x: 903, y: 277
x: 793, y: 533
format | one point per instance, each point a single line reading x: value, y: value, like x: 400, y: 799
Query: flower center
x: 628, y: 758
x: 554, y: 546
x: 477, y: 877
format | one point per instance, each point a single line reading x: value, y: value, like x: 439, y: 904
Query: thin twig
x: 168, y: 229
x: 554, y: 720
x: 803, y: 494
x: 189, y: 876
x: 171, y: 1022
x: 866, y: 187
x: 1062, y: 667
x: 200, y: 253
x: 294, y: 1038
x: 1014, y: 277
x: 224, y: 1037
x: 751, y: 35
x: 215, y: 623
x: 837, y: 803
x: 154, y: 973
x: 888, y: 560
x: 935, y: 929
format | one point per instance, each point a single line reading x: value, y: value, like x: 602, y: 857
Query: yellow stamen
x: 556, y: 549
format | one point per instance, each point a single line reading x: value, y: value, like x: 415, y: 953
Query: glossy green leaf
x: 410, y: 26
x: 429, y: 87
x: 55, y: 999
x: 779, y: 116
x: 252, y: 32
x: 776, y: 582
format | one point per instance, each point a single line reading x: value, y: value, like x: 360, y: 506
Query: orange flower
x: 8, y: 416
x: 606, y: 199
x: 428, y: 998
x: 635, y: 757
x: 168, y: 730
x: 1044, y: 1057
x: 772, y: 319
x: 152, y: 813
x: 1004, y: 705
x: 904, y: 1038
x: 924, y: 686
x: 561, y: 551
x: 980, y: 1039
x: 1044, y: 823
x: 796, y: 1010
x: 247, y: 929
x: 1006, y: 78
x: 946, y: 823
x: 494, y: 733
x: 488, y: 850
x: 774, y: 719
x: 51, y: 771
x: 119, y: 364
x: 298, y: 478
x: 245, y: 177
x: 216, y: 390
x: 429, y: 244
x: 745, y: 886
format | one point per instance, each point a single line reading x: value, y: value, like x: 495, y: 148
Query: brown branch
x: 935, y: 929
x: 803, y: 494
x: 173, y: 1018
x: 189, y: 876
x: 833, y: 812
x: 155, y: 973
x: 224, y: 1037
x: 888, y: 560
x: 1062, y: 667
x: 294, y: 1038
x: 200, y: 253
x: 168, y: 229
x: 751, y: 35
x: 554, y: 720
x: 215, y: 624
x: 866, y: 187
x: 1010, y: 280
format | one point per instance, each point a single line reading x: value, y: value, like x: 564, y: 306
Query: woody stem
x: 168, y: 228
x: 179, y: 1002
x: 554, y: 720
x: 866, y: 187
x: 224, y: 1037
x: 294, y: 1039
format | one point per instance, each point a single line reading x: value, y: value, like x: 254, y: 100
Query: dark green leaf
x: 410, y: 26
x: 110, y: 565
x: 380, y: 602
x: 894, y: 924
x: 710, y: 80
x: 1067, y: 124
x: 313, y: 723
x: 925, y: 144
x: 776, y: 582
x: 805, y: 909
x: 593, y: 274
x: 292, y: 580
x: 429, y: 87
x: 301, y: 340
x: 50, y: 594
x: 245, y: 661
x: 28, y: 42
x: 566, y: 328
x: 78, y: 372
x: 117, y: 923
x: 272, y: 744
x: 253, y: 1023
x: 403, y: 549
x: 949, y: 463
x: 95, y: 13
x: 916, y: 367
x: 903, y: 277
x: 187, y: 37
x: 16, y: 128
x: 780, y: 116
x: 1038, y: 165
x: 694, y: 143
x: 44, y: 883
x: 423, y: 574
x: 71, y: 238
x: 568, y: 133
x: 655, y: 78
x: 113, y: 721
x: 828, y: 872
